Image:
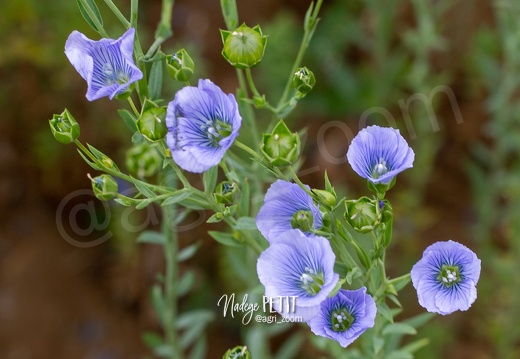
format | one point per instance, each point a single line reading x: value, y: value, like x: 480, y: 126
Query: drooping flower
x: 287, y: 206
x: 379, y: 154
x: 300, y: 267
x: 345, y: 316
x: 202, y: 124
x: 446, y: 277
x: 107, y: 65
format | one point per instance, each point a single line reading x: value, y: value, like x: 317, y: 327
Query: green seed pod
x: 180, y: 66
x: 143, y: 160
x: 104, y: 187
x: 281, y: 147
x: 303, y: 81
x: 64, y: 127
x: 227, y: 193
x: 151, y: 124
x: 325, y: 197
x: 237, y: 353
x: 362, y: 214
x: 244, y: 47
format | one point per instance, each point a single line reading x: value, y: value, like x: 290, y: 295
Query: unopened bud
x: 303, y: 81
x: 104, y: 187
x: 303, y: 220
x: 227, y: 193
x: 244, y: 47
x: 180, y: 66
x: 281, y: 147
x: 64, y: 127
x: 143, y: 160
x: 362, y: 214
x: 151, y: 124
x: 237, y: 353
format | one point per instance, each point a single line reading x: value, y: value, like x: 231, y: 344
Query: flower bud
x: 362, y: 214
x: 143, y: 160
x: 303, y: 81
x: 151, y: 124
x: 227, y: 193
x: 64, y: 127
x: 244, y: 47
x: 180, y: 66
x: 303, y: 220
x: 104, y: 187
x: 325, y: 197
x: 237, y: 353
x: 281, y: 147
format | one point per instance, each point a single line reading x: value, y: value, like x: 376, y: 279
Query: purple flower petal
x: 299, y: 266
x: 107, y: 65
x: 282, y: 200
x: 446, y: 277
x: 202, y: 124
x: 379, y: 154
x: 357, y: 311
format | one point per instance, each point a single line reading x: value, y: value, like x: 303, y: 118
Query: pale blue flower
x: 345, y: 316
x: 379, y: 154
x: 301, y: 267
x: 287, y: 206
x: 107, y: 65
x: 446, y: 277
x: 202, y: 124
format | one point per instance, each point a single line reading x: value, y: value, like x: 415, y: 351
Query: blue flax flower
x: 345, y: 316
x: 379, y: 154
x: 107, y: 65
x: 287, y: 206
x: 446, y: 277
x: 299, y: 267
x: 202, y: 124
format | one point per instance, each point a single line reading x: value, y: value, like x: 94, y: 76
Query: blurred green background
x: 446, y: 73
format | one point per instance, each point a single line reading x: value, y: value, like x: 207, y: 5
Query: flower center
x: 303, y: 220
x: 341, y: 320
x: 379, y: 169
x: 112, y: 76
x: 449, y: 275
x: 311, y: 281
x: 216, y: 130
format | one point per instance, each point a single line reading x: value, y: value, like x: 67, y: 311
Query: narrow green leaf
x: 89, y: 162
x: 158, y: 302
x: 224, y: 238
x: 88, y: 9
x: 243, y: 204
x: 156, y: 79
x: 399, y: 328
x: 185, y: 283
x: 399, y: 354
x: 416, y: 345
x: 209, y: 179
x: 383, y: 309
x: 246, y: 223
x: 152, y: 340
x: 420, y: 319
x: 99, y: 155
x: 188, y: 252
x: 199, y: 349
x: 144, y: 203
x: 177, y: 197
x: 151, y: 237
x: 129, y: 119
x: 217, y: 217
x: 141, y: 187
x: 290, y: 347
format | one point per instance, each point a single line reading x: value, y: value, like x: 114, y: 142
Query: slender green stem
x: 163, y: 31
x: 132, y: 105
x: 251, y: 83
x: 117, y: 13
x: 248, y: 150
x: 295, y: 178
x: 171, y: 280
x: 307, y: 36
x: 247, y: 113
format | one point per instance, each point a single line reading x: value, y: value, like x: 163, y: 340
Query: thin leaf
x: 155, y: 80
x: 224, y: 238
x: 151, y: 237
x: 188, y: 252
x: 185, y: 283
x: 129, y: 119
x: 177, y: 197
x: 140, y: 186
x: 88, y: 10
x: 209, y: 179
x: 246, y: 223
x: 399, y: 328
x: 89, y: 162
